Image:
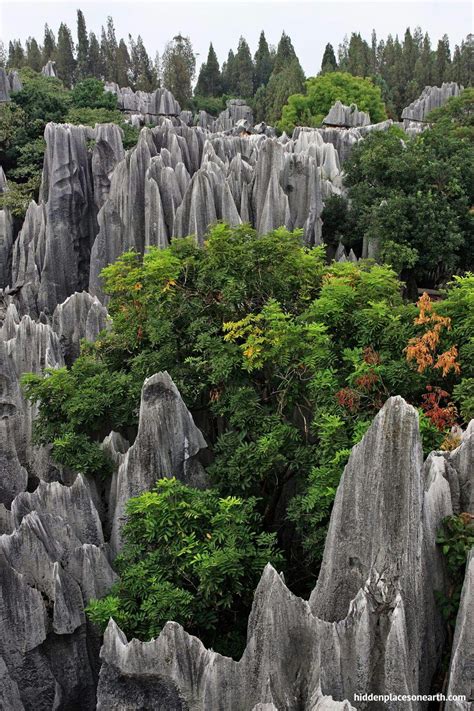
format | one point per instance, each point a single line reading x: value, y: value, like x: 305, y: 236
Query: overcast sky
x: 310, y: 24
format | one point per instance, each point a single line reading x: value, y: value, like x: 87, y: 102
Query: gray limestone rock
x: 49, y: 69
x: 461, y: 671
x: 167, y: 445
x: 346, y: 116
x: 9, y: 82
x: 371, y: 624
x: 80, y: 316
x: 236, y: 110
x: 432, y: 97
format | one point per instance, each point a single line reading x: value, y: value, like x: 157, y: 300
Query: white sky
x: 310, y: 24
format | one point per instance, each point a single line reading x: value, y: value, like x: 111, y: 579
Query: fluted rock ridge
x: 346, y: 116
x: 432, y: 97
x: 371, y: 624
x: 167, y: 445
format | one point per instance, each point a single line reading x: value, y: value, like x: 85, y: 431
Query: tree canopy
x: 310, y: 108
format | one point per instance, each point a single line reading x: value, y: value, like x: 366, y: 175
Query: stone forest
x: 236, y: 376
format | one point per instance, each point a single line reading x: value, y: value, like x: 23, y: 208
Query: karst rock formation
x: 371, y: 623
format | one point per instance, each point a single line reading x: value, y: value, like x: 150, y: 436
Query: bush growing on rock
x: 189, y: 556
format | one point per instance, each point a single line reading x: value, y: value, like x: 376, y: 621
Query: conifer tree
x: 228, y: 79
x: 179, y: 64
x: 82, y: 47
x: 263, y: 63
x: 123, y: 64
x: 328, y: 63
x: 49, y: 45
x: 96, y: 67
x: 65, y: 62
x: 285, y: 54
x: 33, y: 54
x: 209, y: 81
x: 243, y: 68
x: 16, y: 55
x: 423, y: 71
x: 142, y: 72
x: 442, y: 66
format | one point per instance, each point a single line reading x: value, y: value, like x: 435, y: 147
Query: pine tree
x: 342, y: 54
x: 243, y: 67
x: 109, y: 50
x: 262, y: 62
x: 282, y: 84
x: 285, y: 54
x: 410, y: 89
x: 3, y: 55
x: 142, y: 71
x: 96, y: 67
x: 358, y: 56
x: 228, y: 78
x: 157, y: 69
x: 49, y: 45
x: 209, y: 79
x: 33, y: 54
x: 423, y: 72
x: 467, y: 61
x: 179, y: 64
x: 82, y: 47
x: 16, y: 55
x: 373, y: 54
x: 65, y: 62
x: 328, y: 63
x: 442, y: 68
x: 123, y: 64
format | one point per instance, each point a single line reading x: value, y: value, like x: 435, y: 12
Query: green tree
x: 263, y: 63
x: 90, y: 93
x: 16, y: 55
x: 33, y: 54
x: 108, y: 48
x: 329, y: 63
x: 65, y: 62
x: 321, y: 92
x: 442, y: 67
x: 243, y: 70
x: 209, y: 80
x: 190, y: 556
x: 49, y: 45
x: 228, y: 74
x: 124, y: 64
x: 82, y: 47
x: 285, y: 54
x: 414, y: 196
x: 142, y: 72
x: 358, y: 56
x: 96, y: 63
x: 281, y: 86
x: 179, y: 65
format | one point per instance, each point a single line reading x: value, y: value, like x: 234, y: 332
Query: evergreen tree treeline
x: 400, y: 67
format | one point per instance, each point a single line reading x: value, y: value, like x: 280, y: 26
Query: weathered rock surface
x: 461, y: 672
x: 80, y: 316
x: 6, y: 237
x: 432, y: 97
x: 9, y: 81
x: 150, y: 105
x: 167, y: 445
x: 346, y: 116
x: 51, y: 254
x: 49, y: 69
x: 371, y: 624
x: 47, y: 576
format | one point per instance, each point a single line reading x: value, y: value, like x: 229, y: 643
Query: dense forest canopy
x: 401, y: 67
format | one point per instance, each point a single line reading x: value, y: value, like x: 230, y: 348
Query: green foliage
x: 283, y: 360
x: 190, y: 556
x: 413, y: 197
x: 456, y: 538
x: 78, y: 405
x: 90, y: 93
x: 310, y: 108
